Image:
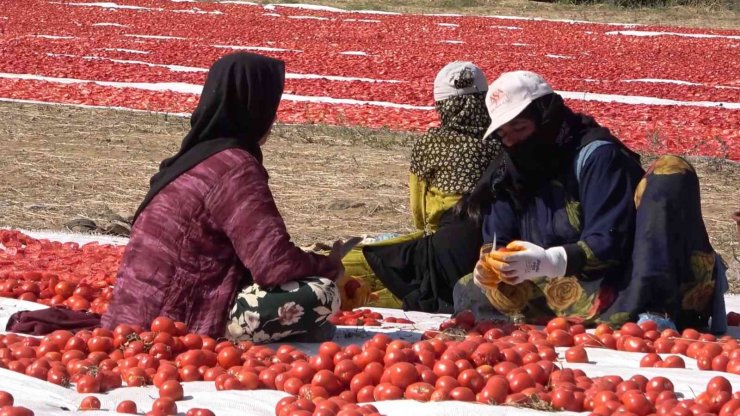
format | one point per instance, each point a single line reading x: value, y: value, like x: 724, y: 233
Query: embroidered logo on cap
x: 496, y: 98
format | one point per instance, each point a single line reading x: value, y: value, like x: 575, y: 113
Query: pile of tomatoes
x: 506, y: 365
x: 467, y: 360
x: 364, y: 317
x: 54, y: 273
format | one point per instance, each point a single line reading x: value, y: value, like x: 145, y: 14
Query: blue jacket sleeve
x: 607, y: 184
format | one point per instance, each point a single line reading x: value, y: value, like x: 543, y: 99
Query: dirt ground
x: 61, y: 163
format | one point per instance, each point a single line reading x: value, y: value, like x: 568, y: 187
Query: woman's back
x: 177, y: 258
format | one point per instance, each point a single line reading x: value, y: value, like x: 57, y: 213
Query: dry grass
x: 703, y: 13
x: 61, y: 163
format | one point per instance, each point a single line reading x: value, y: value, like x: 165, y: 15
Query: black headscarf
x: 559, y: 135
x: 236, y: 109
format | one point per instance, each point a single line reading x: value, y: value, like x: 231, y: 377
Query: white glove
x: 526, y: 261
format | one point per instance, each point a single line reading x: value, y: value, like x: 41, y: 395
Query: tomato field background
x: 660, y: 89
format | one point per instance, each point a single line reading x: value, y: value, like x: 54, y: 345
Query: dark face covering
x: 236, y: 110
x: 539, y: 157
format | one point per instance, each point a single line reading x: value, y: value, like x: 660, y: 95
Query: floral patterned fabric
x: 452, y: 157
x: 298, y: 310
x: 672, y: 271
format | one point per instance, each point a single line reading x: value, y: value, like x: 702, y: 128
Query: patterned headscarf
x: 453, y: 157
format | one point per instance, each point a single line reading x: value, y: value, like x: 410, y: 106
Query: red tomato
x: 15, y: 411
x: 557, y: 323
x: 6, y: 399
x: 90, y: 403
x: 164, y: 324
x: 731, y: 408
x: 650, y: 360
x: 171, y: 389
x: 462, y: 394
x: 576, y: 355
x: 164, y: 405
x: 560, y: 338
x: 718, y: 384
x: 519, y: 381
x: 472, y: 379
x: 88, y: 384
x: 637, y: 403
x: 229, y: 357
x: 673, y: 361
x: 387, y: 391
x: 199, y: 412
x: 403, y: 375
x: 126, y: 406
x: 659, y: 384
x: 419, y: 391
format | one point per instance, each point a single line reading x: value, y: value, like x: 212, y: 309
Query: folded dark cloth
x: 46, y: 321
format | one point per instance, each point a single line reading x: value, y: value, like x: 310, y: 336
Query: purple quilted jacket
x: 199, y: 241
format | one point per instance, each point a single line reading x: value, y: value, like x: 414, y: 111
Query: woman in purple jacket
x: 208, y: 246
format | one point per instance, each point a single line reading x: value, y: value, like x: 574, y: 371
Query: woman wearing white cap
x: 420, y: 269
x: 579, y: 229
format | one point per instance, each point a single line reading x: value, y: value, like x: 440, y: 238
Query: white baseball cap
x: 459, y: 78
x: 510, y: 94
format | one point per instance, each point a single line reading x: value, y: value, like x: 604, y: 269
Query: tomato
x: 6, y: 399
x: 462, y: 394
x: 472, y: 379
x: 690, y: 333
x: 88, y: 384
x: 375, y: 371
x: 635, y: 344
x: 90, y: 403
x: 419, y: 391
x: 200, y: 412
x: 126, y: 406
x: 403, y: 375
x: 650, y: 360
x: 485, y: 353
x: 519, y: 381
x: 78, y: 303
x: 387, y: 391
x: 359, y: 381
x: 445, y: 368
x: 731, y: 408
x: 171, y: 389
x: 637, y: 403
x: 634, y: 330
x: 733, y: 366
x: 720, y: 362
x: 576, y: 355
x: 15, y: 411
x: 557, y: 323
x: 560, y: 338
x: 718, y: 384
x: 163, y: 324
x: 323, y: 362
x: 673, y: 361
x: 562, y: 399
x: 659, y: 384
x: 195, y: 358
x: 329, y: 381
x: 366, y: 394
x: 229, y: 357
x: 495, y: 390
x: 164, y: 405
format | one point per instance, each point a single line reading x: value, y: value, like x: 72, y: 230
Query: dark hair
x: 471, y: 205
